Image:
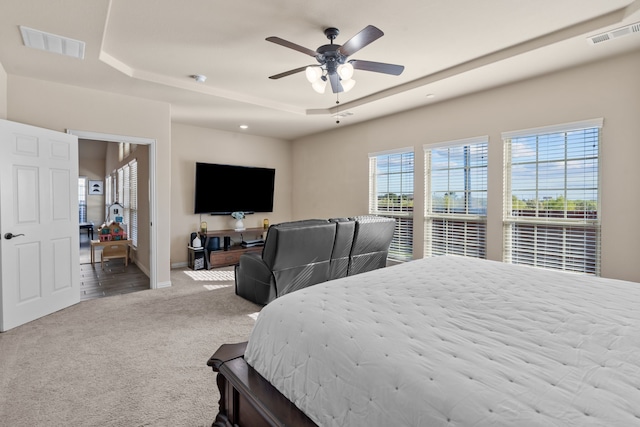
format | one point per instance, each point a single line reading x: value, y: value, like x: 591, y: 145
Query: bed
x: 438, y: 342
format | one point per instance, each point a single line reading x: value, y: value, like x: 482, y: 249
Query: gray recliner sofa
x: 299, y: 254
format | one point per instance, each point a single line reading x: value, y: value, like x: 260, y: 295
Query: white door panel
x: 29, y: 287
x: 39, y: 206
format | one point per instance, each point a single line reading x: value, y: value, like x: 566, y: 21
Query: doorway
x: 109, y: 174
x: 147, y: 178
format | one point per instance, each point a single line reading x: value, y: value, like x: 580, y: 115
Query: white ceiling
x: 150, y: 48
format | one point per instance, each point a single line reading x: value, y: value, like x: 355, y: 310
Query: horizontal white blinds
x: 133, y: 198
x: 551, y: 216
x: 456, y: 199
x: 391, y: 178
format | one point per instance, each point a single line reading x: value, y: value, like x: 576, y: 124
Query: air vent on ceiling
x: 52, y: 43
x: 614, y: 34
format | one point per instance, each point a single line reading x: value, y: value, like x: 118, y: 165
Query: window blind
x: 120, y: 182
x: 133, y: 200
x: 82, y: 198
x: 456, y: 198
x: 125, y: 197
x: 109, y: 189
x: 127, y: 184
x: 551, y: 198
x: 391, y: 176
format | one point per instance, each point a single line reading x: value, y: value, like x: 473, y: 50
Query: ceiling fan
x: 334, y: 64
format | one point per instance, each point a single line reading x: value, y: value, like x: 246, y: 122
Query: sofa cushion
x: 345, y: 229
x: 299, y: 254
x: 371, y: 243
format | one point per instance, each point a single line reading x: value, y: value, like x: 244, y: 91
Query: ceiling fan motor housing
x: 329, y: 55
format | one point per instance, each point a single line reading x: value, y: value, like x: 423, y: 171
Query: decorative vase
x: 239, y: 225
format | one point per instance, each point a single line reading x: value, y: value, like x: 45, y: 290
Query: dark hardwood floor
x: 115, y: 279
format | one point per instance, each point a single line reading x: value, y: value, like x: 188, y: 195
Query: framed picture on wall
x: 95, y: 187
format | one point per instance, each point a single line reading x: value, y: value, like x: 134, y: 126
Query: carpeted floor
x: 137, y: 359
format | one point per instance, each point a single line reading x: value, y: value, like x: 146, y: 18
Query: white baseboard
x: 164, y: 285
x: 179, y: 264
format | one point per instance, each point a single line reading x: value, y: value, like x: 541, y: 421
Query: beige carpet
x: 129, y: 360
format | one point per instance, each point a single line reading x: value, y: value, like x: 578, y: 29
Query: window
x: 133, y: 202
x: 82, y: 198
x: 108, y: 191
x: 551, y: 197
x: 125, y: 149
x: 391, y: 177
x: 456, y: 198
x: 122, y: 187
x: 125, y: 195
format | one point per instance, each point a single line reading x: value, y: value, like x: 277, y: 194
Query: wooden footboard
x: 246, y: 398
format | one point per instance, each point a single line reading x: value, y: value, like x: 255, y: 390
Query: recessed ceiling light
x: 244, y: 127
x: 430, y: 95
x: 200, y: 78
x: 52, y: 43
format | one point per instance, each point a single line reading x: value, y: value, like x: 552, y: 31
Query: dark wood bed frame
x: 246, y: 398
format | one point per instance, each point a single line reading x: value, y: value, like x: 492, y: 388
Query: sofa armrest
x: 254, y: 279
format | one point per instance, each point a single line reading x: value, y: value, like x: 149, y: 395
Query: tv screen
x: 222, y: 189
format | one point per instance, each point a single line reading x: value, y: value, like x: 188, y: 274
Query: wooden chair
x: 114, y: 251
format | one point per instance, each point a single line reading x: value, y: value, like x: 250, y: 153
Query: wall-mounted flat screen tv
x: 222, y: 189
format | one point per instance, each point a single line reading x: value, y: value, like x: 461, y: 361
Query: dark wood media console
x: 222, y: 258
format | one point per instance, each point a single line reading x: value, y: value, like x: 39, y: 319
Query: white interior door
x: 39, y: 251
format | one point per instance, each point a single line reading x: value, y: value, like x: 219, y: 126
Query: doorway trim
x: 152, y: 143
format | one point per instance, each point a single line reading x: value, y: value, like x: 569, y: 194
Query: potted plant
x: 238, y: 216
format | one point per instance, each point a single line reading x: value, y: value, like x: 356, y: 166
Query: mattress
x: 453, y: 341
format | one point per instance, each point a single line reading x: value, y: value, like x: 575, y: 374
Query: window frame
x: 401, y: 248
x: 538, y: 225
x: 122, y: 187
x: 472, y: 244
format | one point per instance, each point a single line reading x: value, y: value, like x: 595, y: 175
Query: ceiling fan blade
x: 378, y: 67
x: 336, y: 86
x: 290, y: 45
x: 288, y: 73
x: 368, y: 35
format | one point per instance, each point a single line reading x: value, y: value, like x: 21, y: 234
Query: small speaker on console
x: 227, y: 243
x: 214, y: 244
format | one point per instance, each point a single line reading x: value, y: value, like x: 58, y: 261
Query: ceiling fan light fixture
x: 345, y: 71
x: 313, y: 74
x: 319, y: 85
x: 347, y: 84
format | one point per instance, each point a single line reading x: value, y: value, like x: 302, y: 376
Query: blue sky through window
x: 394, y: 174
x: 556, y: 165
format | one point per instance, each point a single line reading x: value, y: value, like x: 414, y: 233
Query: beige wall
x: 3, y: 93
x: 194, y: 144
x: 61, y: 107
x: 331, y: 169
x: 92, y: 168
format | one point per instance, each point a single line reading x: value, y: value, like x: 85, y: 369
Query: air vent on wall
x: 52, y: 43
x: 614, y: 34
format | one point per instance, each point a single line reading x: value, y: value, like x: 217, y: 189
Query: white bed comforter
x: 452, y: 341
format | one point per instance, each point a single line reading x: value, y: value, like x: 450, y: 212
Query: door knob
x: 10, y: 236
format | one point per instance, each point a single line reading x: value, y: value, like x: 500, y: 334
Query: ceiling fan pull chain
x: 337, y: 108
